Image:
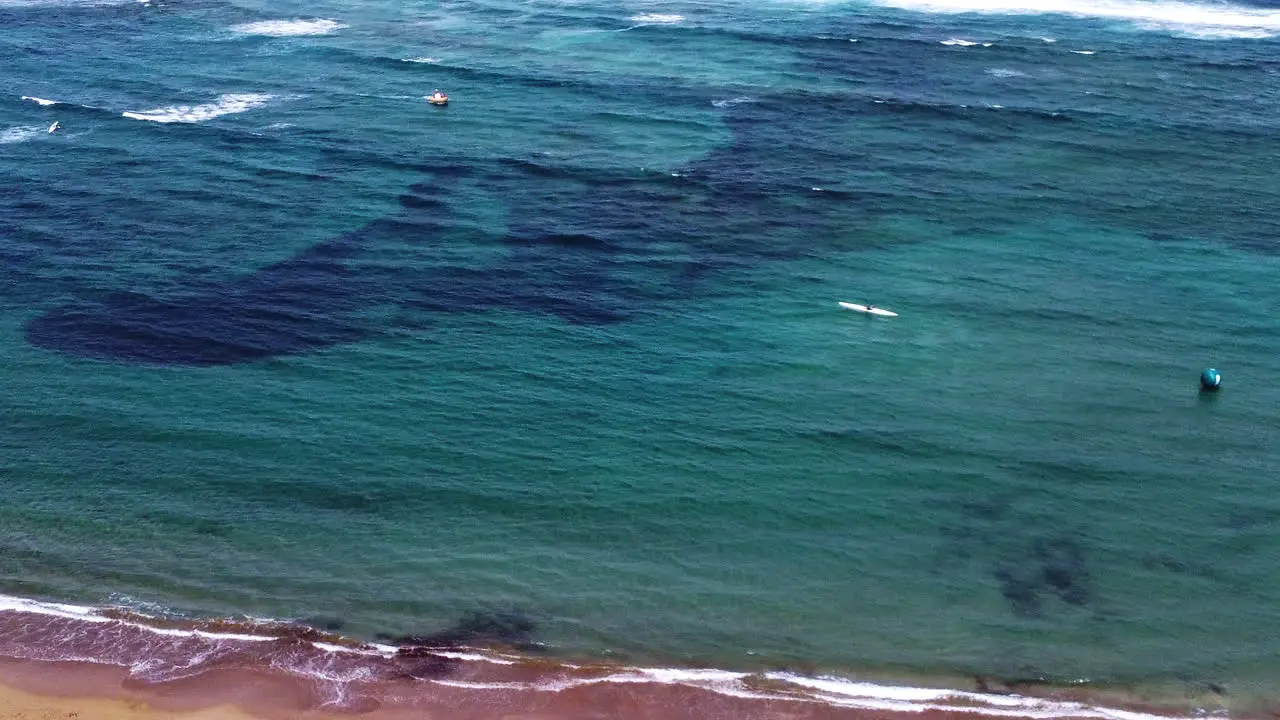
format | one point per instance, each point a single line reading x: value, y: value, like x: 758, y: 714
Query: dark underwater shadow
x: 586, y: 247
x: 293, y: 307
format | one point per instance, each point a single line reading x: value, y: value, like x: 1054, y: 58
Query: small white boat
x: 869, y: 309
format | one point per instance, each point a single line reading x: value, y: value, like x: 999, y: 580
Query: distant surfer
x: 438, y: 98
x: 53, y: 127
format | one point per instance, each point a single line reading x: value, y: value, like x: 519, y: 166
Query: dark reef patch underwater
x: 582, y: 250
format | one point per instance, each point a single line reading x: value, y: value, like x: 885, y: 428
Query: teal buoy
x: 1210, y: 380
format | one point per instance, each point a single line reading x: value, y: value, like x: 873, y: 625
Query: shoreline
x: 137, y: 663
x: 39, y: 690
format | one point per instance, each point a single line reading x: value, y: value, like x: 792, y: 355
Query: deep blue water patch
x: 581, y: 247
x: 288, y: 308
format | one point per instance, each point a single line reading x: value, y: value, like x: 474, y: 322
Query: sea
x: 543, y: 400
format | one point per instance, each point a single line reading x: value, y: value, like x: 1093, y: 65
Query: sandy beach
x: 22, y: 706
x: 56, y: 691
x: 19, y: 705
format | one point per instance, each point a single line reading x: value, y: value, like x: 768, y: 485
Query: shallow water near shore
x: 282, y: 341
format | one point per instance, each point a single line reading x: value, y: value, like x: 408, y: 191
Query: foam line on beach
x: 185, y: 648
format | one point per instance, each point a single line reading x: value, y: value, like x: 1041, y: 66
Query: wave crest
x: 226, y: 105
x: 657, y: 18
x: 1174, y: 16
x: 289, y: 28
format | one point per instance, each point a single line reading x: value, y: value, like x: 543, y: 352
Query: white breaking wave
x: 473, y: 657
x: 9, y: 603
x: 422, y: 60
x: 20, y: 133
x: 79, y: 612
x: 1176, y: 16
x: 656, y: 18
x: 226, y: 105
x: 1005, y: 73
x: 1082, y: 52
x: 836, y: 691
x: 963, y: 43
x: 40, y: 101
x: 289, y: 28
x: 733, y: 101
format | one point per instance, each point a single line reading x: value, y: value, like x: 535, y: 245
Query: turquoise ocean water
x: 281, y: 340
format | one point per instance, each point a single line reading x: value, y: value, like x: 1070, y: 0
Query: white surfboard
x: 871, y: 309
x: 53, y: 127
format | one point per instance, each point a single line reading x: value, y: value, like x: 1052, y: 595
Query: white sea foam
x: 656, y: 18
x: 834, y: 691
x: 1005, y: 73
x: 732, y: 101
x: 16, y: 604
x: 474, y: 657
x: 1202, y: 20
x: 964, y: 43
x: 40, y: 101
x: 841, y: 692
x: 226, y: 105
x: 289, y: 28
x: 1226, y: 33
x: 20, y: 133
x: 850, y: 693
x: 423, y: 59
x: 1082, y: 52
x: 91, y: 614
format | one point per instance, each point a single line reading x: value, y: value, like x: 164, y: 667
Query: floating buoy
x: 1210, y: 380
